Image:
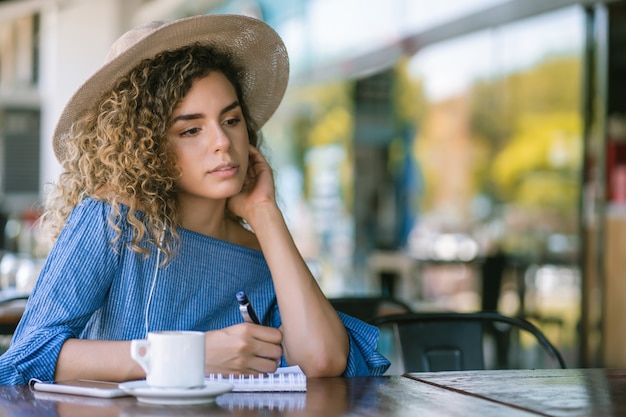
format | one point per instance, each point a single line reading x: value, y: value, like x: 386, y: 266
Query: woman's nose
x: 220, y: 142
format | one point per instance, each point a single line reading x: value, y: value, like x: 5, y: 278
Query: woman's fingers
x: 243, y: 348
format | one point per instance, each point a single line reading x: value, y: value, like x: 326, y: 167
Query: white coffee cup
x: 171, y: 359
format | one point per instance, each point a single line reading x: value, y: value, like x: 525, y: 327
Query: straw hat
x: 254, y: 46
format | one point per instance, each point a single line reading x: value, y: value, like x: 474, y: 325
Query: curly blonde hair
x: 117, y: 151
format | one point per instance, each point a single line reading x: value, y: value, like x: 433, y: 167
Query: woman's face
x: 209, y: 138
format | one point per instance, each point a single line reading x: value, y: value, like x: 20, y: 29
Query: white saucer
x: 175, y: 396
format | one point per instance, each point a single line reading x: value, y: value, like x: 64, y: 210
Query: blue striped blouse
x: 89, y: 289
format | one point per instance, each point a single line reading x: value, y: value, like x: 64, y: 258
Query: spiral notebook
x: 287, y: 379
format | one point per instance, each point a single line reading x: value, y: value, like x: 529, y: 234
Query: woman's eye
x: 233, y: 121
x: 190, y: 132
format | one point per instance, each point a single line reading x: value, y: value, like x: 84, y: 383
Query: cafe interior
x: 452, y: 167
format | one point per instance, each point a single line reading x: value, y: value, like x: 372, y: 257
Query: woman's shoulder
x: 92, y: 214
x: 88, y: 207
x: 88, y: 225
x: 93, y: 207
x: 241, y: 236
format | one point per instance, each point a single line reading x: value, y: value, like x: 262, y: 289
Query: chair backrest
x: 449, y: 341
x: 368, y: 308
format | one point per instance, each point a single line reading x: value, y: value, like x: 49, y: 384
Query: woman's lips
x: 225, y: 171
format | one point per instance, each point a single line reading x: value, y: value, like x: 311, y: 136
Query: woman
x: 166, y: 209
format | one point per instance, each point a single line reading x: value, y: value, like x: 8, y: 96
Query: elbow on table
x: 326, y: 366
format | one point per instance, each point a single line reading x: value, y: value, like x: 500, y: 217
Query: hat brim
x: 254, y: 46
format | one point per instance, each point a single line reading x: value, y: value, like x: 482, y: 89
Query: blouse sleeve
x: 72, y: 285
x: 363, y: 359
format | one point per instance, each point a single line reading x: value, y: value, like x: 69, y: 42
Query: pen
x: 245, y: 308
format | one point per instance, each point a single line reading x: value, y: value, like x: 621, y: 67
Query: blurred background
x: 458, y: 154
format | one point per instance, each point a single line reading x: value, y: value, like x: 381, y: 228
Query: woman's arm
x: 73, y: 282
x: 97, y: 359
x: 235, y: 349
x: 314, y: 336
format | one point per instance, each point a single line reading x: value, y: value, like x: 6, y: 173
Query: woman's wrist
x: 264, y: 215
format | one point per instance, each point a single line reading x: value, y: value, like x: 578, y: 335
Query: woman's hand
x: 258, y: 189
x: 243, y: 349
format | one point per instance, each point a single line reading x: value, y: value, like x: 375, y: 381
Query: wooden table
x: 553, y: 392
x: 463, y: 394
x: 325, y: 397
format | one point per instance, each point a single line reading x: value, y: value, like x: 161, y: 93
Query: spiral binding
x: 277, y: 382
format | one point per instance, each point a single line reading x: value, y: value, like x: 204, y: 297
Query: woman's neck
x: 205, y: 217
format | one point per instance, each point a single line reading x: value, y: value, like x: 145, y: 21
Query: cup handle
x: 140, y: 352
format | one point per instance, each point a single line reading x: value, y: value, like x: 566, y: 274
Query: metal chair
x: 367, y: 308
x: 449, y: 341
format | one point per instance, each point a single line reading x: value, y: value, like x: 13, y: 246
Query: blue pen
x: 246, y: 310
